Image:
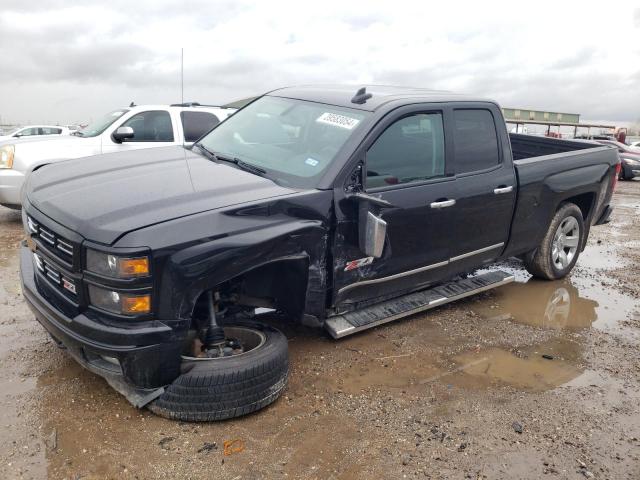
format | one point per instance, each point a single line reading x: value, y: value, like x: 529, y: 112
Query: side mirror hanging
x: 372, y: 229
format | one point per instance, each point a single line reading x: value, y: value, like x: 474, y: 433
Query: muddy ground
x: 461, y: 392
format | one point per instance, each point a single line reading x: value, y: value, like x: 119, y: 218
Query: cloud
x: 71, y: 62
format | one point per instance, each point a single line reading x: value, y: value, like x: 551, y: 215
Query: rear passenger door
x: 485, y: 184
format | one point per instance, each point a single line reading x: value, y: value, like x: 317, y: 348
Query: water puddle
x: 536, y: 368
x: 576, y: 302
x: 555, y: 305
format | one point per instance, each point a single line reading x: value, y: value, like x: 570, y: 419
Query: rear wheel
x: 559, y: 249
x: 248, y: 378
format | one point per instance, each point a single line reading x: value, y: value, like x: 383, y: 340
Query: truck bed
x: 549, y: 170
x: 529, y: 146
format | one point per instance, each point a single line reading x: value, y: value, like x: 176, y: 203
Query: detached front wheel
x: 558, y: 251
x: 248, y: 379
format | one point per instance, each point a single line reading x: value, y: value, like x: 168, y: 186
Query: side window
x: 27, y: 132
x: 475, y: 141
x: 152, y: 126
x: 410, y: 150
x: 50, y: 131
x: 196, y: 124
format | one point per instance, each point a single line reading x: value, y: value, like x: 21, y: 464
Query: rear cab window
x: 475, y: 141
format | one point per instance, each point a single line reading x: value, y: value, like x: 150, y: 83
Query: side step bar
x: 352, y: 322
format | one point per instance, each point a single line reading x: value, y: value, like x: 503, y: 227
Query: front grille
x: 62, y: 282
x: 56, y: 259
x: 51, y: 241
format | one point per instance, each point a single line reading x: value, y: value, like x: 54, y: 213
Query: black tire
x: 540, y: 263
x: 228, y: 387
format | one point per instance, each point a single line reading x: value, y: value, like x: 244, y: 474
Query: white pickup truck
x: 129, y: 128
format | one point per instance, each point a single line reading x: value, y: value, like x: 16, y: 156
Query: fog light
x: 119, y: 302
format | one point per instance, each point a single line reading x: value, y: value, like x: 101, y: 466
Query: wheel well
x: 584, y: 202
x: 281, y: 285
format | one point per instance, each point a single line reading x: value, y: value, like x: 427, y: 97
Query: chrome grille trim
x: 61, y: 281
x: 55, y: 276
x: 47, y: 236
x: 59, y: 244
x: 65, y: 247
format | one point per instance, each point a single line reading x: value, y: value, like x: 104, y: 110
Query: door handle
x: 500, y: 190
x: 443, y: 204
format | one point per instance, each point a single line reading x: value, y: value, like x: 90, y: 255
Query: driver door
x: 405, y: 164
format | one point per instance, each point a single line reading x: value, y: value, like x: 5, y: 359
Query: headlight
x: 119, y: 302
x: 6, y: 156
x: 116, y: 267
x: 630, y: 161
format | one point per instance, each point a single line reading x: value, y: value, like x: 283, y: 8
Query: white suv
x: 129, y: 128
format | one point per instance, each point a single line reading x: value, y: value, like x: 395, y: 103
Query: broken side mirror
x: 372, y: 230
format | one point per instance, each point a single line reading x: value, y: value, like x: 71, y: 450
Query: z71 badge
x: 362, y: 262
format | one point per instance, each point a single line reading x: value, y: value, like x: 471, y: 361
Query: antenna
x: 182, y: 75
x: 361, y: 96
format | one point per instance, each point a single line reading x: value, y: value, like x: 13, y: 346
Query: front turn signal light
x: 136, y: 305
x: 133, y: 267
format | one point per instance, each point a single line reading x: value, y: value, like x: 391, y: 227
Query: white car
x: 125, y: 129
x: 35, y: 131
x: 635, y: 144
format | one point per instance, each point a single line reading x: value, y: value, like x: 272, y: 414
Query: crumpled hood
x: 104, y: 196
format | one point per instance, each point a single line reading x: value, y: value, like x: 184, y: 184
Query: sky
x: 70, y: 62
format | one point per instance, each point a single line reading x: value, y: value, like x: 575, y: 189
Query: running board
x: 352, y: 322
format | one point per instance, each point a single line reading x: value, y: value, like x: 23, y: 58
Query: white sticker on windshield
x: 338, y: 120
x: 312, y: 161
x: 116, y: 114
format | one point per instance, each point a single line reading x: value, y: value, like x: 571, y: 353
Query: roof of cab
x: 341, y: 95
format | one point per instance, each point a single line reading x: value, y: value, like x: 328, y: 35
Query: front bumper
x: 147, y: 358
x: 11, y: 182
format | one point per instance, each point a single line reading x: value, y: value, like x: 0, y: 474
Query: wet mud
x: 533, y: 379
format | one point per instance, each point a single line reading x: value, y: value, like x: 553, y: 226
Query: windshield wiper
x: 208, y: 153
x: 247, y: 167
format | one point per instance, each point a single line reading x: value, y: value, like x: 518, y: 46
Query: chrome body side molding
x: 476, y: 252
x: 396, y: 276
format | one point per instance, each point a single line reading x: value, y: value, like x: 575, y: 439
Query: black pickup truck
x: 338, y: 208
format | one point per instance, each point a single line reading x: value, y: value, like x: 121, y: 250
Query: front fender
x: 206, y: 265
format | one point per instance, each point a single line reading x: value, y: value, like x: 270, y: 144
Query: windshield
x: 96, y: 128
x: 294, y: 141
